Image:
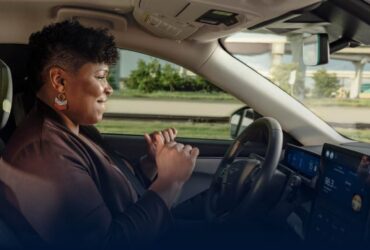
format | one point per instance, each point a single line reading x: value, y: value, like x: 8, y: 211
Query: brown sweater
x: 71, y: 192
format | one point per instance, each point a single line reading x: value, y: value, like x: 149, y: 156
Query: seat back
x: 15, y: 231
x: 6, y: 94
x: 8, y: 239
x: 21, y: 98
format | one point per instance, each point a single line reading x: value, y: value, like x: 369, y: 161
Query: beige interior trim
x: 93, y: 18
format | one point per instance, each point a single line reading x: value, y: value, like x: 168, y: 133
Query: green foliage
x: 189, y: 129
x: 146, y: 77
x: 280, y: 75
x: 112, y: 78
x: 169, y: 78
x: 152, y: 76
x: 325, y: 83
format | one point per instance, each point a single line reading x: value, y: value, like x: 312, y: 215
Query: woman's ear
x: 56, y: 76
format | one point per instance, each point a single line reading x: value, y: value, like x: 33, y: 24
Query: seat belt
x: 117, y: 158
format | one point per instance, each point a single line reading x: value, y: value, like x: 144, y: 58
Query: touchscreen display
x: 341, y: 209
x: 301, y: 161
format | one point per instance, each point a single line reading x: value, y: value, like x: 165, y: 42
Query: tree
x: 280, y: 75
x: 169, y: 78
x: 113, y: 77
x: 152, y: 76
x: 146, y: 77
x: 325, y: 83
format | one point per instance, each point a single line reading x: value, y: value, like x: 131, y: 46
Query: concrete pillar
x: 297, y: 58
x: 356, y: 83
x: 277, y: 53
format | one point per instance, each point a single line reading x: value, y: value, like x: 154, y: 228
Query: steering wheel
x: 239, y: 188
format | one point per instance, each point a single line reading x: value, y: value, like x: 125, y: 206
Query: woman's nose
x: 108, y: 89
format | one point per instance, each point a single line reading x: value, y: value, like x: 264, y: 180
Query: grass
x: 186, y: 129
x: 356, y: 134
x: 195, y: 130
x: 166, y: 95
x: 310, y: 102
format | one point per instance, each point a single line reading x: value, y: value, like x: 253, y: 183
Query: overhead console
x: 209, y: 19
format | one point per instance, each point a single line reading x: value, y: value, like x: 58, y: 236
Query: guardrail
x: 217, y: 119
x: 222, y: 119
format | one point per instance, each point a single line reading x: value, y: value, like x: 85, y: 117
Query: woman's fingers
x: 188, y: 149
x: 158, y: 141
x: 194, y: 153
x: 173, y: 133
x: 166, y: 136
x: 179, y: 146
x: 148, y: 139
x: 169, y: 134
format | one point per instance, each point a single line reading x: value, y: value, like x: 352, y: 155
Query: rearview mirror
x: 315, y: 50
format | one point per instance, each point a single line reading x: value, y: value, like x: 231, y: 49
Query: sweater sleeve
x: 63, y: 204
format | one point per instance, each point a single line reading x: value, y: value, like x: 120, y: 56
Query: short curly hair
x: 68, y: 44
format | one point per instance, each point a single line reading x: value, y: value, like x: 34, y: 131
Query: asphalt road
x: 222, y: 109
x: 179, y: 108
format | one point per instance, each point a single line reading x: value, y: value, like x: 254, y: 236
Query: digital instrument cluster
x: 301, y: 161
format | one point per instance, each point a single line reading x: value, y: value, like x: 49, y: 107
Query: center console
x: 340, y: 212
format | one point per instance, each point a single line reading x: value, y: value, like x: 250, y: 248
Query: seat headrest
x: 6, y: 93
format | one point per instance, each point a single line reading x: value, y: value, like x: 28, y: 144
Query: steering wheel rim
x: 258, y: 189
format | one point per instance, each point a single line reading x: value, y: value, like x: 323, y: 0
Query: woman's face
x: 87, y: 92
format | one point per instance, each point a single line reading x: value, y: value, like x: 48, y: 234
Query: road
x: 179, y: 108
x: 222, y: 109
x: 344, y: 114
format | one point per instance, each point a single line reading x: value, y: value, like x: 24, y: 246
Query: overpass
x: 277, y: 45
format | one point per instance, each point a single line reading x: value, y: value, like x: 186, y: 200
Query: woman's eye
x: 101, y: 77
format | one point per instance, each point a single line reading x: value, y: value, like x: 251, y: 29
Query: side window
x: 152, y: 94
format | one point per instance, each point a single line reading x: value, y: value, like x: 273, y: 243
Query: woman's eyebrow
x: 103, y: 69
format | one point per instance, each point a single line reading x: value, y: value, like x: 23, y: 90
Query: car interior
x: 289, y: 170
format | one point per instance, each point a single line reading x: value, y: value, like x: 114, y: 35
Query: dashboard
x: 339, y: 178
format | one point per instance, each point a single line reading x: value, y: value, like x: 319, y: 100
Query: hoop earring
x: 60, y: 102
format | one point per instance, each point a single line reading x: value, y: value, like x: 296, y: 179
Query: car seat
x: 16, y: 56
x: 15, y: 231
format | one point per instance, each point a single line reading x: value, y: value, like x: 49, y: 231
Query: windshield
x: 338, y: 92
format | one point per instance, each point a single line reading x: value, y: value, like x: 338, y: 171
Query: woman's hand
x: 148, y: 161
x: 175, y: 164
x: 167, y: 135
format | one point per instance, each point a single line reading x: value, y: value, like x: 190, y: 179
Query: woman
x: 69, y: 187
